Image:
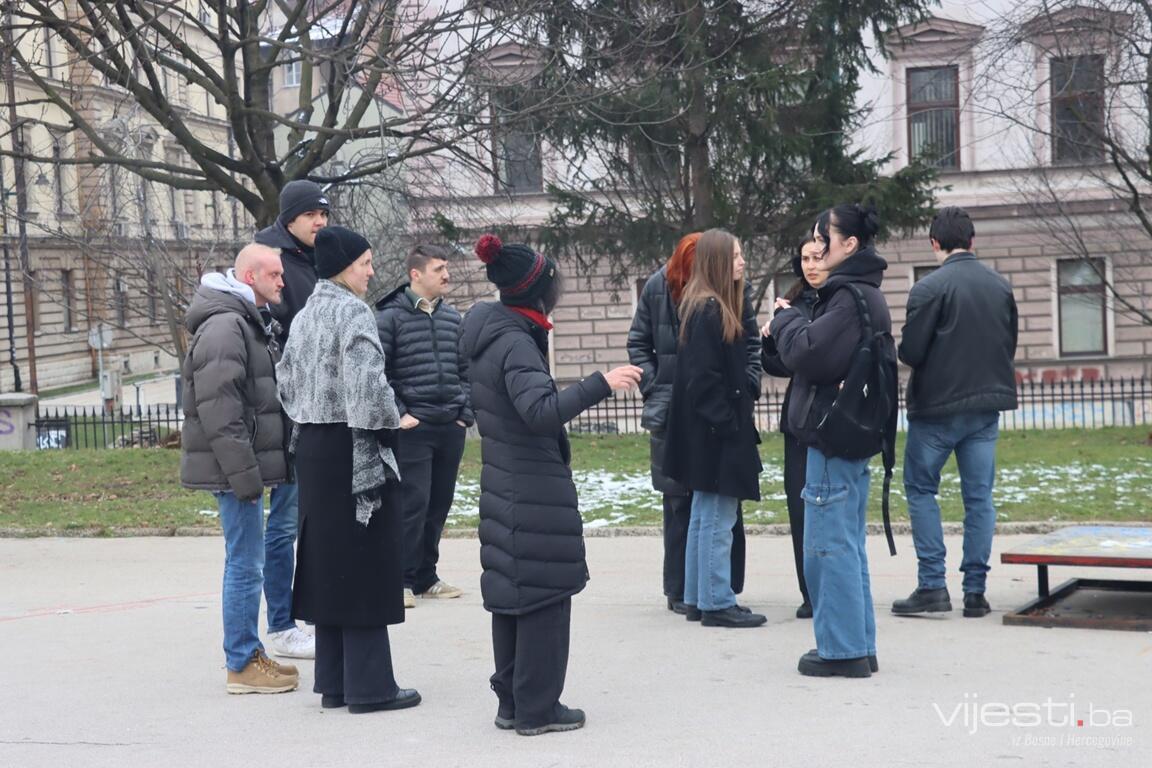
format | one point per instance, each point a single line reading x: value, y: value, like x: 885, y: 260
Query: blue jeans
x: 972, y: 436
x: 835, y: 560
x: 280, y: 556
x: 247, y: 550
x: 708, y: 554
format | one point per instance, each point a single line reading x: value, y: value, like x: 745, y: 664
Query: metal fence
x: 1057, y: 405
x: 1060, y: 405
x: 93, y: 427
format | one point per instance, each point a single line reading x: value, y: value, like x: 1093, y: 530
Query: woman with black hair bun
x: 819, y: 351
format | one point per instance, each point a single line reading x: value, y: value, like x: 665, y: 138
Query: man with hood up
x: 234, y: 444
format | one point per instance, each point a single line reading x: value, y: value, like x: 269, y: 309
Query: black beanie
x: 336, y: 248
x: 301, y: 196
x: 522, y: 275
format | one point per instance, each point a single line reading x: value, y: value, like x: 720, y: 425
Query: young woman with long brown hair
x: 712, y: 438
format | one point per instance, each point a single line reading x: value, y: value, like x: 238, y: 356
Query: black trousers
x: 677, y: 516
x: 429, y: 458
x: 795, y: 465
x: 354, y: 662
x: 531, y: 653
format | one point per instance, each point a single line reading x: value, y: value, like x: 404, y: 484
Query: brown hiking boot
x: 284, y: 669
x: 261, y: 675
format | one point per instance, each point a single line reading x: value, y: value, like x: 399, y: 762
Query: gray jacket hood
x: 219, y: 293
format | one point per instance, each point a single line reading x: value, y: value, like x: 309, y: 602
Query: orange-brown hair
x: 712, y: 278
x: 679, y: 267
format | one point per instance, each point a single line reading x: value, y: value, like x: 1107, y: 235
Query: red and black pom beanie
x: 522, y: 275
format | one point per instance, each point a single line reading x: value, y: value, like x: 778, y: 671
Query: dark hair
x: 952, y: 229
x: 798, y: 287
x: 419, y: 257
x: 851, y: 220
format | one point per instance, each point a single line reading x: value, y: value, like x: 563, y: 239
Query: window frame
x: 913, y: 108
x: 1099, y: 267
x: 1055, y: 100
x: 293, y: 73
x: 500, y: 161
x: 68, y: 298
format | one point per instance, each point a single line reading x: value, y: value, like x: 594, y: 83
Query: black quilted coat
x: 531, y: 534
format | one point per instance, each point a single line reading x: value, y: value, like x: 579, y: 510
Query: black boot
x: 804, y: 611
x: 873, y: 663
x: 407, y: 697
x: 924, y: 601
x: 691, y: 612
x: 677, y: 606
x: 812, y: 665
x: 975, y: 605
x: 732, y: 617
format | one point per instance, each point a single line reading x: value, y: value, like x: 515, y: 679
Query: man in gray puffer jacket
x: 234, y: 444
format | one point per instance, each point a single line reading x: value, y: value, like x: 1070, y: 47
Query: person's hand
x: 407, y: 421
x: 624, y: 377
x: 766, y: 329
x: 783, y: 303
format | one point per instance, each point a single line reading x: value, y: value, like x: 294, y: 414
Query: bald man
x: 234, y: 445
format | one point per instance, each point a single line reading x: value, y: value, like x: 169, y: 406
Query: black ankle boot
x: 924, y: 601
x: 975, y: 605
x: 812, y: 665
x: 732, y: 617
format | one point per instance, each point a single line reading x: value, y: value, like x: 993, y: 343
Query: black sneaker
x: 804, y: 611
x: 505, y: 717
x: 975, y: 605
x: 924, y: 601
x: 812, y: 665
x: 565, y: 720
x: 732, y: 617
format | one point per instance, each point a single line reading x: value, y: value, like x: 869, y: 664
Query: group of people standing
x: 959, y: 339
x: 356, y: 420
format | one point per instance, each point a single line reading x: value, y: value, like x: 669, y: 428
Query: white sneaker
x: 409, y: 598
x: 293, y: 644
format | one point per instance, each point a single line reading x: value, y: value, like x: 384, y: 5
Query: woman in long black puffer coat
x: 531, y: 533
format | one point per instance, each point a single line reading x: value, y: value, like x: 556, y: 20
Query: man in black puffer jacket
x: 959, y: 339
x: 420, y: 332
x: 653, y: 342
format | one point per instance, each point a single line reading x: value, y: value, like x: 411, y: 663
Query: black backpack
x: 862, y: 421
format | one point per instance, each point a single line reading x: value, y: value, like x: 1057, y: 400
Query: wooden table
x: 1096, y: 546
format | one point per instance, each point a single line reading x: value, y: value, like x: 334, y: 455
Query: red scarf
x: 534, y: 315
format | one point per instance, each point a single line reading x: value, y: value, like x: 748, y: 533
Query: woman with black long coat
x: 809, y: 268
x: 653, y: 342
x: 712, y: 437
x: 531, y: 532
x: 348, y: 569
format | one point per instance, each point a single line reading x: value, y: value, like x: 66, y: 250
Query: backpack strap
x: 888, y: 446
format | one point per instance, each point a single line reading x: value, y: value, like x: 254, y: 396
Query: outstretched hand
x: 624, y: 377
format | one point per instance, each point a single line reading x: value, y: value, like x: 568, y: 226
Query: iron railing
x: 1042, y: 405
x: 1059, y: 405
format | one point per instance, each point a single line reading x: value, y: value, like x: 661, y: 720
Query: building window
x: 518, y: 162
x: 153, y: 315
x: 1077, y: 84
x: 934, y: 116
x: 68, y: 298
x: 120, y: 300
x: 919, y: 273
x: 1083, y: 306
x: 34, y: 317
x: 58, y: 176
x: 292, y: 74
x: 114, y: 191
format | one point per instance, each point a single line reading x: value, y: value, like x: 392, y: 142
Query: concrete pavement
x: 112, y: 657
